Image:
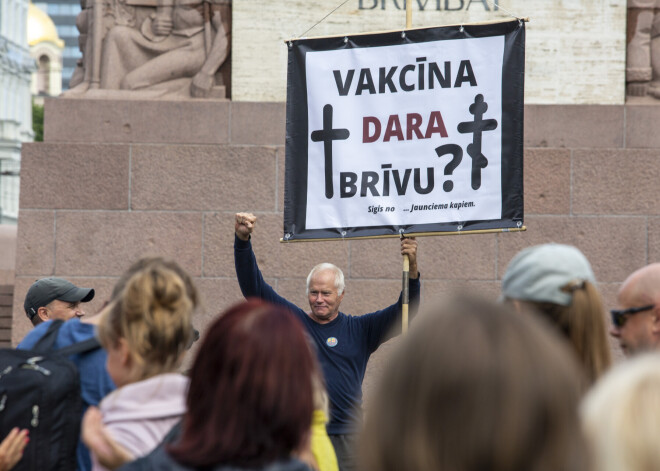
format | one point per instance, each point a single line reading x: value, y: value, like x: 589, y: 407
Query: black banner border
x: 513, y: 74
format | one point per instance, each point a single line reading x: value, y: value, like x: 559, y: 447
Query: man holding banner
x: 343, y: 342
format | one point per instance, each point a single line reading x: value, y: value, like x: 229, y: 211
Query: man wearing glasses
x: 636, y: 325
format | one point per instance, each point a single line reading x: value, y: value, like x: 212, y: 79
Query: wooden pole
x: 409, y: 14
x: 405, y: 294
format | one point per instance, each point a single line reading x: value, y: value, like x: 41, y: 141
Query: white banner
x: 400, y: 135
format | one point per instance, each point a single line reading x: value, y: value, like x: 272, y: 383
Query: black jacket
x: 159, y: 460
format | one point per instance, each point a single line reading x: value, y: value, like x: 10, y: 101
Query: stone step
x: 207, y: 121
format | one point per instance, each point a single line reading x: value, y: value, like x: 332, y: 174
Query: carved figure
x: 643, y: 48
x: 182, y: 39
x: 95, y: 19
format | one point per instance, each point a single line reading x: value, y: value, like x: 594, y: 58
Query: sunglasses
x: 620, y: 316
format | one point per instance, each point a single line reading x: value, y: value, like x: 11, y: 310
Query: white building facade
x: 16, y: 67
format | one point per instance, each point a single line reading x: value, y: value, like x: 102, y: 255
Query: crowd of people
x: 525, y: 383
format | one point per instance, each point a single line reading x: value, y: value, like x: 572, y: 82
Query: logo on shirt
x: 331, y: 342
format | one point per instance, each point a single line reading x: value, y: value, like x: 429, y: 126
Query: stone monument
x: 643, y: 48
x: 575, y: 51
x: 134, y: 171
x: 153, y: 49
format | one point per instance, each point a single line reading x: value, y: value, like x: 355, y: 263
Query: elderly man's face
x: 323, y: 297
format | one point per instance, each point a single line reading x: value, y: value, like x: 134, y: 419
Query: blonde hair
x: 621, y: 416
x: 583, y: 323
x: 153, y: 314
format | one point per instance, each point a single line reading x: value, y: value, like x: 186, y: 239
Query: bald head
x: 639, y: 298
x: 643, y: 286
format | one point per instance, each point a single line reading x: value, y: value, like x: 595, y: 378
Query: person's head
x: 558, y: 282
x: 141, y: 264
x: 55, y: 298
x: 636, y: 324
x: 250, y: 396
x: 148, y: 325
x: 476, y: 386
x: 621, y: 415
x: 325, y: 291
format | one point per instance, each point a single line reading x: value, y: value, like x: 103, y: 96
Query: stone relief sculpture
x: 643, y: 48
x: 170, y: 48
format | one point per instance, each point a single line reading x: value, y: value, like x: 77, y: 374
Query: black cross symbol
x: 477, y: 127
x: 327, y: 135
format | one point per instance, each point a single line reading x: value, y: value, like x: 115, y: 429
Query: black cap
x: 46, y: 290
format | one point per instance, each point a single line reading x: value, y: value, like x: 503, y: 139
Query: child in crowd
x: 145, y: 332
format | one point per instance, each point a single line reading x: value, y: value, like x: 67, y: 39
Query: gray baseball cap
x: 538, y: 273
x: 47, y: 290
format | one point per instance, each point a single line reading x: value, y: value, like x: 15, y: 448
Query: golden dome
x: 40, y: 28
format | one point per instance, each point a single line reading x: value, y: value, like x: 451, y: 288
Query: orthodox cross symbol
x: 479, y: 161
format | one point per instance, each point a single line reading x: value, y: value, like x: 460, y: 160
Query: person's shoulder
x: 74, y: 331
x: 31, y: 339
x: 288, y: 465
x: 157, y: 460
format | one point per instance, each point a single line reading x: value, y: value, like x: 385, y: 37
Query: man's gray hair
x: 339, y: 276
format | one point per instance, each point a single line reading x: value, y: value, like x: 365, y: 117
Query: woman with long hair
x: 145, y: 332
x: 475, y: 386
x: 250, y: 400
x: 557, y: 282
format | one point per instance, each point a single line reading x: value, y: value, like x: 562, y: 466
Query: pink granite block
x: 8, y: 234
x: 143, y: 121
x: 105, y: 243
x: 653, y: 242
x: 642, y: 125
x: 547, y: 181
x: 622, y: 181
x: 74, y: 176
x: 294, y: 290
x: 615, y: 246
x: 258, y: 123
x: 203, y: 178
x: 574, y: 126
x: 275, y: 259
x: 216, y: 296
x: 455, y: 256
x: 35, y: 243
x: 436, y: 293
x: 364, y: 296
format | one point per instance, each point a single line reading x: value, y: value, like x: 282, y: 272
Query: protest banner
x: 408, y: 132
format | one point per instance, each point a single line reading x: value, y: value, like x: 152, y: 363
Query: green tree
x: 38, y: 122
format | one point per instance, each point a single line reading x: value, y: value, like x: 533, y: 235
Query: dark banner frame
x: 513, y: 81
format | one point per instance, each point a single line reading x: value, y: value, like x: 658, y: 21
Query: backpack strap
x: 80, y: 347
x: 47, y: 342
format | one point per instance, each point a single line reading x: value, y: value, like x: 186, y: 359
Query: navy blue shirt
x: 344, y: 345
